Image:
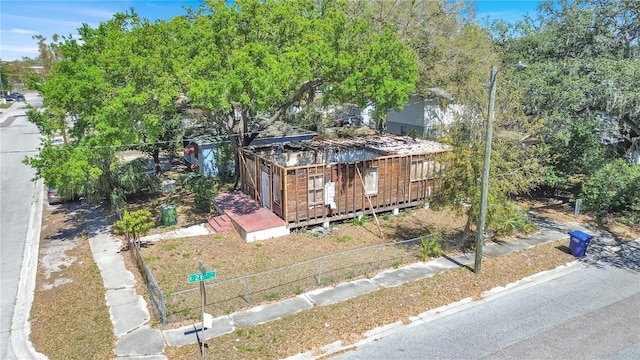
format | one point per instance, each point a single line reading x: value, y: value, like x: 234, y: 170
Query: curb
x: 20, y: 324
x: 452, y: 308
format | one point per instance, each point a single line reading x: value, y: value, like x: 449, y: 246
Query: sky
x: 20, y: 20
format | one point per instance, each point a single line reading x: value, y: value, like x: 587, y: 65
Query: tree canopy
x: 583, y: 74
x: 454, y: 56
x: 236, y: 68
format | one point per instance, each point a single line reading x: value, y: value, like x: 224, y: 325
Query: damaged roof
x: 328, y: 150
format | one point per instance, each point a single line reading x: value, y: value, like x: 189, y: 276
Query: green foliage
x: 224, y: 159
x: 453, y: 54
x: 582, y: 76
x: 505, y: 218
x: 204, y: 190
x: 604, y: 192
x: 343, y: 239
x: 360, y: 220
x: 134, y: 224
x: 431, y: 246
x: 514, y: 167
x: 630, y: 218
x: 128, y: 81
x: 578, y: 150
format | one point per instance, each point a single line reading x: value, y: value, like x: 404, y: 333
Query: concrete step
x: 221, y: 223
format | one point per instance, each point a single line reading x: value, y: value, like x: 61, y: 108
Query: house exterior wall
x: 210, y: 158
x: 318, y: 193
x: 411, y: 117
x: 421, y: 115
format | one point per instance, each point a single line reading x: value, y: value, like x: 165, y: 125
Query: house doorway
x: 265, y: 189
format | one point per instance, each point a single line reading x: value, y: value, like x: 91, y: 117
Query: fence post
x: 320, y: 273
x: 164, y: 307
x: 246, y: 288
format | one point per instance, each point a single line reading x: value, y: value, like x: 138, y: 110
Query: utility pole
x: 487, y: 163
x: 485, y: 171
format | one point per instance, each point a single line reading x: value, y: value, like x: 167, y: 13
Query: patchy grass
x: 69, y: 317
x: 231, y: 257
x: 347, y: 321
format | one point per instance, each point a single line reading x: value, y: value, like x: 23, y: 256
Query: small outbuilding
x: 324, y: 180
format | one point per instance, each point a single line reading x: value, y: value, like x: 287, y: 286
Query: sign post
x: 201, y: 277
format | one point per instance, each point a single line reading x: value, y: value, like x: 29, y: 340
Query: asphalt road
x: 18, y: 138
x: 591, y: 312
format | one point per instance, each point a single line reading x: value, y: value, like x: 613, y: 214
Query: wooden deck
x: 251, y: 220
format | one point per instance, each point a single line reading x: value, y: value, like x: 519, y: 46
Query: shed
x: 324, y: 180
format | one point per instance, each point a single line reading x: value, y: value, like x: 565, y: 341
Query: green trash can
x: 169, y: 214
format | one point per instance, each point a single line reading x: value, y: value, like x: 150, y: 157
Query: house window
x: 276, y: 187
x: 316, y: 189
x: 371, y: 180
x: 423, y: 169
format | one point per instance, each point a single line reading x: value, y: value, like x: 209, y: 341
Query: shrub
x: 134, y: 224
x: 203, y: 189
x: 431, y: 246
x: 505, y: 218
x: 360, y: 221
x: 613, y: 188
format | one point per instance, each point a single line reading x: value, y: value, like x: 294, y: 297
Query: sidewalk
x: 137, y: 340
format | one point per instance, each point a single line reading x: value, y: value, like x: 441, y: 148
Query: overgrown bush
x: 431, y: 246
x: 134, y: 224
x: 505, y: 218
x: 615, y: 187
x: 203, y: 189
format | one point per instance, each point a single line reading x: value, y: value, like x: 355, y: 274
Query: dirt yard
x: 69, y: 293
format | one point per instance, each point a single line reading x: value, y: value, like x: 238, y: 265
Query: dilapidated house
x: 324, y: 180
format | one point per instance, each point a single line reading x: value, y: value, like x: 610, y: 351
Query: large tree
x: 455, y: 56
x: 237, y: 68
x: 453, y: 52
x: 583, y: 57
x: 246, y: 64
x: 105, y: 95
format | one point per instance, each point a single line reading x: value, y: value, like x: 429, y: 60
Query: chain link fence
x: 158, y: 303
x: 242, y: 292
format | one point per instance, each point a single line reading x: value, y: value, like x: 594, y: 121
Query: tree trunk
x: 156, y: 160
x: 235, y: 145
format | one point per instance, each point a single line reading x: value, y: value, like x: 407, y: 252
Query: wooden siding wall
x: 395, y: 188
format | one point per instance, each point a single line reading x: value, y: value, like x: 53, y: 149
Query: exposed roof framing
x: 345, y: 149
x: 384, y: 144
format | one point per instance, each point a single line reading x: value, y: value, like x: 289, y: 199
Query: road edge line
x: 20, y: 324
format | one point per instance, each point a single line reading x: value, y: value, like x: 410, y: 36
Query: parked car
x: 53, y: 197
x: 344, y: 122
x: 58, y: 140
x: 14, y: 97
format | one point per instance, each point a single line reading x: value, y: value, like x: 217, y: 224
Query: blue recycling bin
x: 578, y: 243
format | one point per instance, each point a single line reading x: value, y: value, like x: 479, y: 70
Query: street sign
x: 209, y: 275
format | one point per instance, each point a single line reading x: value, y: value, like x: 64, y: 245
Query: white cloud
x: 19, y: 49
x: 23, y: 32
x: 94, y: 12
